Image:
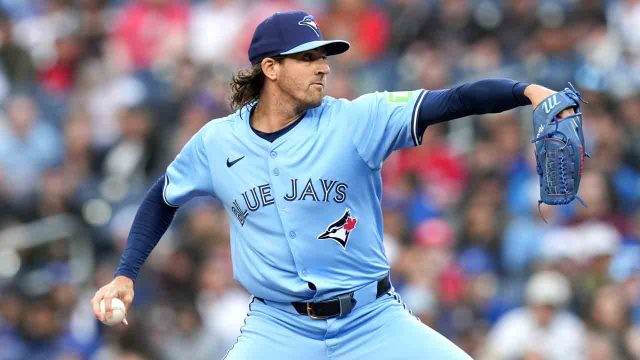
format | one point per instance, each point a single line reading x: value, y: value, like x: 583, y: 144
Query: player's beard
x: 303, y: 93
x: 315, y: 101
x: 313, y: 97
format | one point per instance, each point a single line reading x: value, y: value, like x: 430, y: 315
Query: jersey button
x: 292, y: 234
x: 274, y: 154
x: 276, y: 172
x: 303, y: 272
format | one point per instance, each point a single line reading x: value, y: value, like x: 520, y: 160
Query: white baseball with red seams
x: 118, y: 311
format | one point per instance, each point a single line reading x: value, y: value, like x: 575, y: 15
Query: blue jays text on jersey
x: 306, y: 217
x: 261, y: 195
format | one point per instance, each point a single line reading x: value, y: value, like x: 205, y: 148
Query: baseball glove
x: 560, y: 149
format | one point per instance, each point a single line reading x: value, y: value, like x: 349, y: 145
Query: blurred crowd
x: 98, y: 96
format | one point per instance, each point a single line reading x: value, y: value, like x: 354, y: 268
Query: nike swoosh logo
x: 231, y: 163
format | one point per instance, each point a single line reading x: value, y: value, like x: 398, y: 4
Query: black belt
x: 338, y: 306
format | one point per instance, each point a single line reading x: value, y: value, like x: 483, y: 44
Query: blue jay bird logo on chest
x: 308, y: 21
x: 340, y: 230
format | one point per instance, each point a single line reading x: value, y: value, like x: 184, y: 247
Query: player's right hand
x: 120, y: 287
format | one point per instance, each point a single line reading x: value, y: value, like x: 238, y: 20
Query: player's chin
x: 315, y: 100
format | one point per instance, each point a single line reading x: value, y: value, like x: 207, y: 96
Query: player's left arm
x: 480, y: 97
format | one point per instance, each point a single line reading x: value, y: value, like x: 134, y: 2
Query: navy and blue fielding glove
x: 560, y: 148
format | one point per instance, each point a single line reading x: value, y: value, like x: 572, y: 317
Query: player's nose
x: 323, y: 67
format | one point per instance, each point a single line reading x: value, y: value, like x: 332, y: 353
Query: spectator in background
x: 625, y: 174
x: 434, y: 173
x: 105, y: 89
x: 59, y: 76
x: 452, y: 24
x: 522, y: 237
x: 207, y: 44
x: 481, y: 224
x: 597, y: 191
x: 11, y: 306
x: 151, y: 33
x: 28, y: 145
x: 483, y: 56
x: 623, y: 18
x: 423, y: 264
x: 425, y: 65
x: 92, y: 31
x: 361, y: 23
x: 221, y: 301
x: 541, y: 329
x: 609, y: 320
x: 628, y: 113
x: 130, y: 160
x: 79, y: 155
x: 17, y: 67
x: 408, y: 19
x: 43, y: 333
x: 190, y: 336
x: 514, y: 32
x: 589, y: 244
x: 39, y: 32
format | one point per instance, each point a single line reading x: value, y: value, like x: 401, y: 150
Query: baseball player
x: 298, y: 173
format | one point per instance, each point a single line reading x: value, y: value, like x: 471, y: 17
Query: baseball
x: 117, y: 312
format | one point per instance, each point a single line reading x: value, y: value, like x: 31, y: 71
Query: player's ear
x: 270, y: 68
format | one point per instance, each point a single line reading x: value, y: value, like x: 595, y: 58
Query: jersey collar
x: 303, y: 123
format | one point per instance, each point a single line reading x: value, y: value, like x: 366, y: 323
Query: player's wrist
x: 537, y: 93
x: 123, y: 280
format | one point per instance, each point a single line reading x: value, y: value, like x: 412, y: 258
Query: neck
x: 274, y: 112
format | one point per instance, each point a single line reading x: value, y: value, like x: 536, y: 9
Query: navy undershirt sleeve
x: 152, y: 220
x: 481, y: 97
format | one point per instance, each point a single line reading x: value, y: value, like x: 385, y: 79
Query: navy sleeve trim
x: 151, y: 222
x: 415, y: 134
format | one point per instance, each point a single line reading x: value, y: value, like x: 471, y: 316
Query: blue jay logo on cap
x: 308, y: 21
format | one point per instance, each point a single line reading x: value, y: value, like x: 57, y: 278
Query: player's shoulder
x: 331, y: 105
x: 218, y: 126
x: 376, y: 97
x: 336, y: 111
x: 329, y: 101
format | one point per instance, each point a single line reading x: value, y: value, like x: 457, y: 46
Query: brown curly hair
x: 247, y: 84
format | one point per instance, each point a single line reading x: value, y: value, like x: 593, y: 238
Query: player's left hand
x: 537, y: 94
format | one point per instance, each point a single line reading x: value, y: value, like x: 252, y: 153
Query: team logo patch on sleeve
x: 340, y: 229
x: 399, y: 97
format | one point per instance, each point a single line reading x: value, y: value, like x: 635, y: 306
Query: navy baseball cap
x: 290, y: 32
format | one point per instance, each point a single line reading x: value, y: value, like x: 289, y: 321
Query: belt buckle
x: 312, y: 315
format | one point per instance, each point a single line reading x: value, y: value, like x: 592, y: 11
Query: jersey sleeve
x: 188, y: 175
x: 384, y: 122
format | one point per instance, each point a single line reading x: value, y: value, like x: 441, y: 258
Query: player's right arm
x: 187, y: 176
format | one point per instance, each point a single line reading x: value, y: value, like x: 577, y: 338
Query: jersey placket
x: 277, y: 151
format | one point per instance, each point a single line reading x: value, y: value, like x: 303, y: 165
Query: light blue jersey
x: 305, y: 210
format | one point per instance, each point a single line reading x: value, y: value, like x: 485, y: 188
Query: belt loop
x: 384, y: 285
x: 347, y: 303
